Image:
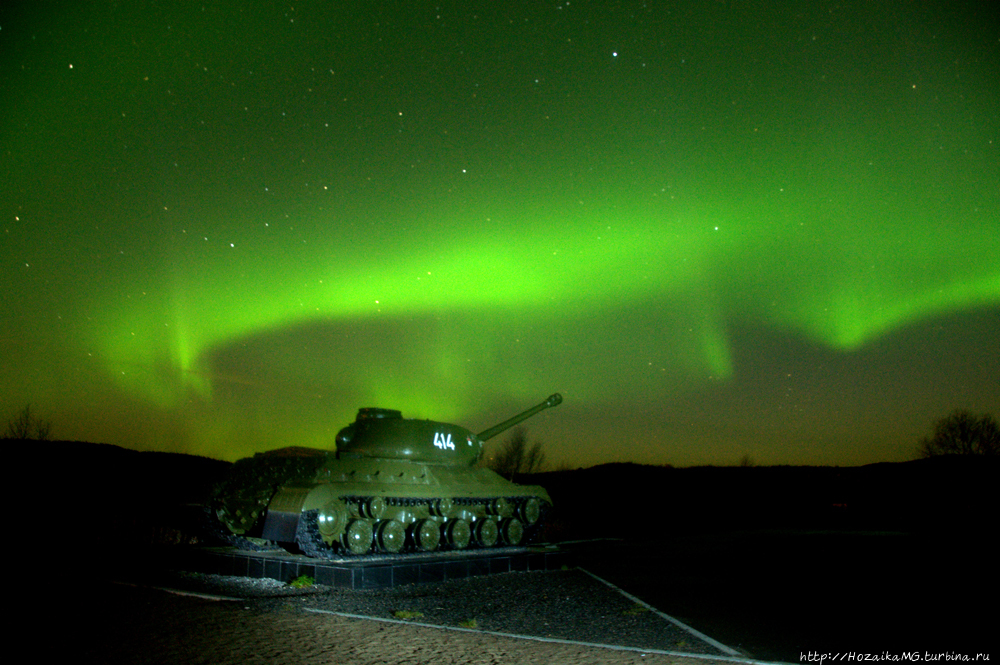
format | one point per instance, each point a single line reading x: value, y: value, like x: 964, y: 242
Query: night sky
x: 719, y: 229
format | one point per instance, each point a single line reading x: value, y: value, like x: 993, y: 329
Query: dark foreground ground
x: 780, y: 595
x: 542, y: 617
x: 773, y: 596
x: 781, y: 563
x: 143, y: 625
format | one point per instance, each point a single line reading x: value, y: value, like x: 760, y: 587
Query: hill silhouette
x: 122, y: 496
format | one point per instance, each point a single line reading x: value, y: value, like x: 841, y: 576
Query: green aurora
x: 724, y: 231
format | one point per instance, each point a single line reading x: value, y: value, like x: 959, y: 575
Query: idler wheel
x: 391, y: 536
x: 331, y: 520
x: 373, y: 507
x: 358, y: 537
x: 458, y: 533
x: 238, y: 519
x: 486, y: 532
x: 512, y: 531
x: 529, y: 511
x: 426, y: 535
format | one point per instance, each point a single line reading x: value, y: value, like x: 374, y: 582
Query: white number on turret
x: 443, y: 442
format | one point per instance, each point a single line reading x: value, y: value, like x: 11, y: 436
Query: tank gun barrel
x: 553, y: 400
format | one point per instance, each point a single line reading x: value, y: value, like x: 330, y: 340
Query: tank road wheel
x: 331, y: 520
x: 486, y: 532
x: 458, y: 534
x: 358, y: 537
x: 426, y: 535
x: 529, y: 511
x: 512, y: 531
x: 390, y: 536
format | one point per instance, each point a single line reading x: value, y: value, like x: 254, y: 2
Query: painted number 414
x: 443, y: 442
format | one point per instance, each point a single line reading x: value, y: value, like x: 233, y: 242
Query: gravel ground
x: 270, y: 622
x: 566, y: 605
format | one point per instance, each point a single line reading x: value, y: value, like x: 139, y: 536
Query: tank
x: 393, y: 486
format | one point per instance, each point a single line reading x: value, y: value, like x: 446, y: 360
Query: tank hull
x: 328, y: 507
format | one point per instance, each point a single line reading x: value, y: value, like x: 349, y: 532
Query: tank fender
x: 287, y: 506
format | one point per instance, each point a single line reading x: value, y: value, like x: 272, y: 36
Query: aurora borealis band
x: 726, y: 229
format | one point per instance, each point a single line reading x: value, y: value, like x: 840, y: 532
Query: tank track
x: 311, y: 543
x: 214, y: 531
x: 308, y: 539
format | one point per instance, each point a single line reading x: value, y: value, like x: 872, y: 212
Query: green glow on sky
x: 224, y: 233
x: 582, y: 265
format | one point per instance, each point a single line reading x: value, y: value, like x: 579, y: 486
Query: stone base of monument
x: 374, y: 571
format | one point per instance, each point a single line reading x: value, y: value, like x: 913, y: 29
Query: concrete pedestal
x: 374, y: 572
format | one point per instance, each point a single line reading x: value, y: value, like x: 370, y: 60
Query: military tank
x: 393, y: 486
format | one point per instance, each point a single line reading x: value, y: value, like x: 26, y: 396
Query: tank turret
x: 385, y: 434
x: 393, y: 486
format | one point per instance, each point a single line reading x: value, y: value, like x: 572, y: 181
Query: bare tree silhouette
x: 25, y: 426
x: 962, y: 433
x: 515, y: 456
